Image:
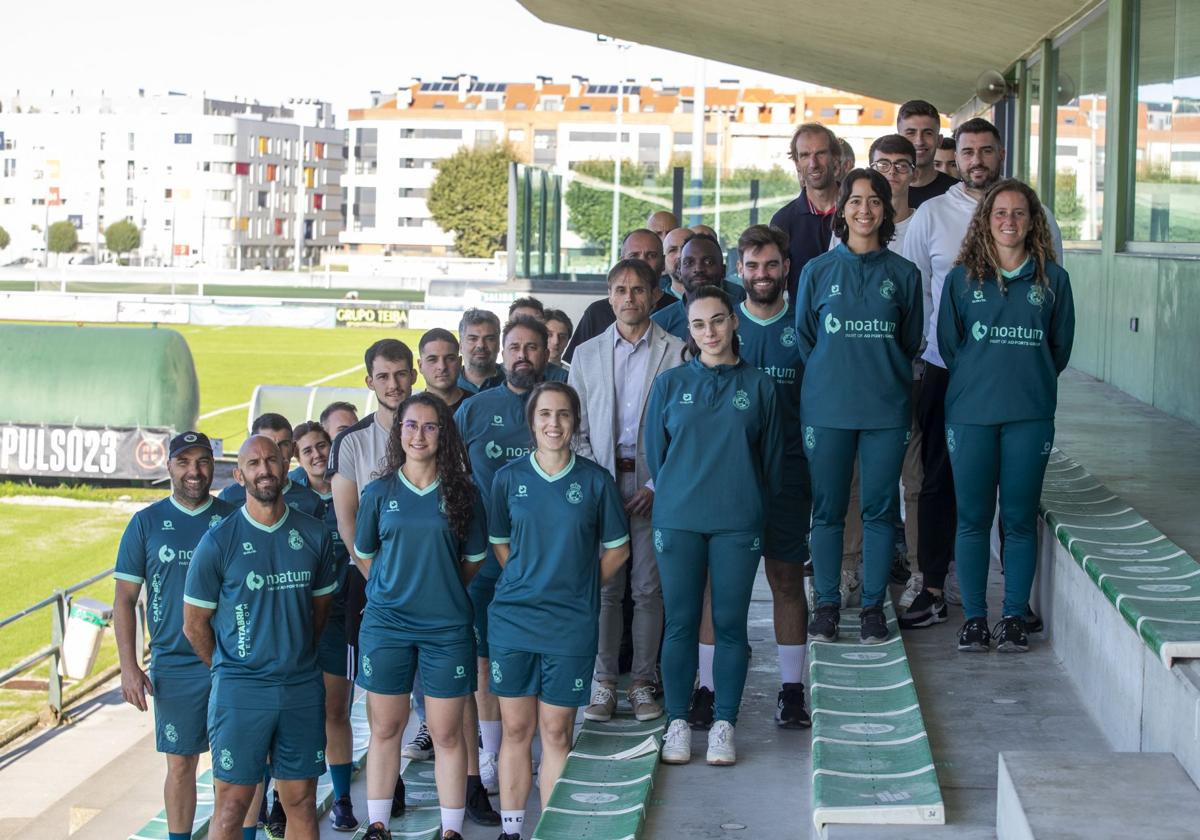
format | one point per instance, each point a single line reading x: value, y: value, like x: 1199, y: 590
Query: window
x: 220, y: 195
x: 131, y: 141
x: 10, y: 167
x: 262, y: 198
x: 130, y: 170
x: 827, y: 113
x: 167, y: 194
x: 183, y: 139
x: 683, y: 138
x: 1166, y: 190
x: 364, y: 207
x: 596, y: 136
x: 485, y: 138
x: 1079, y: 141
x: 431, y: 134
x: 412, y: 192
x: 410, y: 221
x: 129, y: 196
x: 102, y: 139
x: 223, y: 139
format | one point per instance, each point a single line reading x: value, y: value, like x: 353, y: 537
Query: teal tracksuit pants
x: 831, y: 454
x: 1011, y: 457
x: 685, y: 560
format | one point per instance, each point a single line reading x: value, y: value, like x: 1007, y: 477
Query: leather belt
x: 626, y: 465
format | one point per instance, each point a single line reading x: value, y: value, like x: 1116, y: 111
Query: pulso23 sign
x: 83, y: 452
x: 372, y: 316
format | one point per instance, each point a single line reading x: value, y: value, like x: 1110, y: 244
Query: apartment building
x: 396, y: 142
x: 225, y: 183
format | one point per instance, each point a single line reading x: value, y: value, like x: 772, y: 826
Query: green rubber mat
x: 605, y: 783
x: 1152, y: 582
x: 156, y: 829
x: 422, y: 818
x: 870, y: 752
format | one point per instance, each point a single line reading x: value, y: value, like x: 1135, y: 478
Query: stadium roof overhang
x: 888, y: 49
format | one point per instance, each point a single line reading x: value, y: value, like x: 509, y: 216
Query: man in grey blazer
x: 613, y: 373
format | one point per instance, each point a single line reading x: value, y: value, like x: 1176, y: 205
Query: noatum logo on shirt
x: 859, y: 327
x: 997, y: 334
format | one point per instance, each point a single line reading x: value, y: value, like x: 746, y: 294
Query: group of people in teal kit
x: 492, y: 523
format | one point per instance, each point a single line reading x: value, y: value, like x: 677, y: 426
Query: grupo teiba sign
x: 372, y: 316
x: 82, y: 452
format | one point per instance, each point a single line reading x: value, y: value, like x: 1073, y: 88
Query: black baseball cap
x: 188, y: 440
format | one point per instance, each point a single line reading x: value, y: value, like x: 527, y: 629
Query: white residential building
x: 229, y: 184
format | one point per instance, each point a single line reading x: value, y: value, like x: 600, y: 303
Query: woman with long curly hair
x: 1005, y: 328
x: 421, y: 535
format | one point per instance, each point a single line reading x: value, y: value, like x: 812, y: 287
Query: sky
x: 271, y: 50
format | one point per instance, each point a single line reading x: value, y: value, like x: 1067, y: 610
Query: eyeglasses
x: 411, y: 427
x: 883, y: 167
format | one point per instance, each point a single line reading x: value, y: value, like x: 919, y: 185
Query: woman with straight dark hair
x: 1005, y: 328
x: 714, y: 446
x: 858, y: 321
x: 558, y: 527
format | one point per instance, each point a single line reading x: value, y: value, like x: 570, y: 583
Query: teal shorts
x: 481, y: 590
x: 334, y: 654
x: 242, y: 739
x: 387, y: 664
x: 553, y: 678
x: 181, y: 712
x: 789, y: 513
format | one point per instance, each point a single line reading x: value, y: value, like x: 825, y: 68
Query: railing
x: 60, y: 603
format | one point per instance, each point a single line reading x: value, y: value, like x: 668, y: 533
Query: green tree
x: 122, y: 237
x: 469, y: 198
x: 1068, y: 209
x: 589, y: 200
x: 4, y: 239
x: 62, y: 238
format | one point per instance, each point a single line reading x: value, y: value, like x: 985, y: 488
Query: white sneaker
x: 720, y: 744
x: 604, y: 703
x: 951, y: 594
x: 915, y: 584
x: 487, y: 772
x: 851, y: 588
x: 677, y: 743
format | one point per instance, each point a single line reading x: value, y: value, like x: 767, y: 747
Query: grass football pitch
x: 44, y: 548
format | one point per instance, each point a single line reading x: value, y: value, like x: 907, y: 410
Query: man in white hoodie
x: 932, y: 241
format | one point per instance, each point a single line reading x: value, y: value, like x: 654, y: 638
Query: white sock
x: 511, y: 822
x: 791, y: 663
x: 489, y: 734
x: 452, y: 819
x: 706, y: 666
x: 379, y: 811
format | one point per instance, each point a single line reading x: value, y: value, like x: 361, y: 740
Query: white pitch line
x: 893, y: 743
x: 862, y: 688
x: 618, y: 812
x: 312, y: 384
x: 564, y: 780
x: 1087, y: 557
x: 1102, y: 527
x: 859, y: 665
x: 1147, y: 578
x: 1089, y: 502
x: 823, y: 772
x: 1089, y: 515
x: 1121, y: 598
x: 892, y: 713
x: 1073, y: 540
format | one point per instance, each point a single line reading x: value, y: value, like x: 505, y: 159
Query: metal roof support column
x: 1021, y: 118
x: 1048, y: 122
x: 1120, y: 137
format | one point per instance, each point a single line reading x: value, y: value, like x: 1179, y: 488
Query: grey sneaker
x: 911, y: 590
x: 951, y: 594
x: 641, y: 700
x: 604, y: 703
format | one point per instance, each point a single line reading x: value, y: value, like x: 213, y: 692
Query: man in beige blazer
x: 613, y: 373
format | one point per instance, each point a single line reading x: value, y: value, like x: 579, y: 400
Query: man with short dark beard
x: 701, y: 263
x: 493, y: 428
x: 257, y: 594
x: 155, y: 551
x: 932, y: 242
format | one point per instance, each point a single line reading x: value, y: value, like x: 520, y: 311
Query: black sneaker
x: 451, y: 835
x: 974, y: 637
x: 342, y: 815
x: 1010, y: 635
x: 398, y: 799
x: 420, y: 748
x: 377, y: 831
x: 824, y: 624
x: 789, y: 709
x: 872, y: 626
x: 504, y: 836
x: 1033, y: 622
x: 899, y: 573
x: 926, y: 610
x: 479, y: 807
x: 700, y: 716
x: 276, y: 825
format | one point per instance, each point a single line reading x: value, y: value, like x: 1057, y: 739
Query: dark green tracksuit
x: 713, y: 445
x: 859, y: 319
x: 1004, y: 351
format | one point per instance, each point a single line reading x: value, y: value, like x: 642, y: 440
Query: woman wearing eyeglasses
x: 714, y: 444
x: 421, y: 534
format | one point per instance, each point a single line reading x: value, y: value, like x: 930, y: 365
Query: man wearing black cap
x: 155, y: 552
